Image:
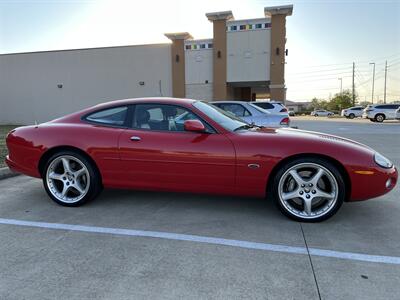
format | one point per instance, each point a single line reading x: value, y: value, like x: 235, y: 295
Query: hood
x: 312, y: 136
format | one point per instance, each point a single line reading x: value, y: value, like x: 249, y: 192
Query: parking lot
x: 148, y: 245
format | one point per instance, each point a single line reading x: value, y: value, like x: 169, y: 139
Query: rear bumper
x: 21, y: 169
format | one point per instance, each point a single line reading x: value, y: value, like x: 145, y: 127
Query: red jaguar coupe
x: 191, y: 146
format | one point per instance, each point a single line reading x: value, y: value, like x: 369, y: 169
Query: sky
x: 324, y: 37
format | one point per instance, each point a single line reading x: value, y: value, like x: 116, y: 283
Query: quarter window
x: 113, y: 116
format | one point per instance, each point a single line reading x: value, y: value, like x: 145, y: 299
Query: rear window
x: 112, y: 116
x: 264, y: 105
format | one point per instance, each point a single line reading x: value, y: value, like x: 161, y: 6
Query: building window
x: 233, y: 28
x: 250, y: 26
x: 267, y: 25
x: 242, y: 27
x: 258, y: 26
x: 210, y: 45
x: 188, y: 47
x: 203, y: 46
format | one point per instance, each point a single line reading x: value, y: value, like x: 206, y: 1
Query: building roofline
x: 83, y: 49
x: 249, y: 20
x: 178, y: 36
x: 220, y: 15
x: 279, y: 10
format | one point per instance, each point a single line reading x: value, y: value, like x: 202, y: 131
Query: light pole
x: 341, y: 81
x: 373, y: 82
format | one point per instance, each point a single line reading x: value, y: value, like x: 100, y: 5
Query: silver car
x: 272, y: 106
x: 322, y: 113
x: 251, y: 113
x: 398, y: 114
x: 380, y: 112
x: 353, y: 112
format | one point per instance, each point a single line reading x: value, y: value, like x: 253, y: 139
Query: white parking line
x: 208, y: 240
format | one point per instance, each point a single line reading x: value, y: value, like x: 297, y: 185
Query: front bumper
x: 365, y: 116
x: 367, y: 183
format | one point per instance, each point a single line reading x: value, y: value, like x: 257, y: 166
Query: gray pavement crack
x: 311, y: 263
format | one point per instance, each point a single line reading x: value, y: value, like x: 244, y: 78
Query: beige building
x: 245, y: 59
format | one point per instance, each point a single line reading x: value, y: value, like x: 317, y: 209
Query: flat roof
x: 82, y: 49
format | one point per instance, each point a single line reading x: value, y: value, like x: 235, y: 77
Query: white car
x: 353, y: 112
x: 322, y: 113
x: 380, y: 112
x: 253, y: 114
x: 398, y: 114
x: 272, y: 106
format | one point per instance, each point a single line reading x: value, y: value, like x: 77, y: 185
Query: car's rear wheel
x: 379, y: 118
x: 70, y: 179
x: 309, y: 189
x: 351, y: 116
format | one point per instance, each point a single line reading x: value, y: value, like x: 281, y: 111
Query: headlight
x: 382, y: 161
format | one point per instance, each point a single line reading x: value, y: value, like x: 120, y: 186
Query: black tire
x: 95, y: 185
x: 379, y: 118
x: 352, y: 116
x: 315, y: 160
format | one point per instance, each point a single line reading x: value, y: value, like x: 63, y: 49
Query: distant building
x: 297, y: 106
x: 244, y: 60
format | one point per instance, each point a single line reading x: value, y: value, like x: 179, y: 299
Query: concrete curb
x: 7, y: 173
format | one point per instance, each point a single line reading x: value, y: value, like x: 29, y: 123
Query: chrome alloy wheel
x: 308, y: 190
x: 67, y: 179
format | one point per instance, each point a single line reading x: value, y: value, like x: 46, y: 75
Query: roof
x: 84, y: 49
x: 166, y: 100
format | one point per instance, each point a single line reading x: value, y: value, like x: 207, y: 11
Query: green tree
x: 341, y: 101
x: 318, y: 103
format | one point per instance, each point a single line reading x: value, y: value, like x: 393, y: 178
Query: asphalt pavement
x: 150, y: 245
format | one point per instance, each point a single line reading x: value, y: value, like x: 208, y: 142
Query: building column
x: 220, y: 89
x: 178, y: 62
x: 278, y: 50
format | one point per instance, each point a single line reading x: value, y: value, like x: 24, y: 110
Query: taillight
x: 285, y: 121
x: 284, y: 109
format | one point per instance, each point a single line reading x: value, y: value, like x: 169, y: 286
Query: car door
x: 158, y: 153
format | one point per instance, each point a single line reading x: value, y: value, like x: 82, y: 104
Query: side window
x: 236, y: 109
x: 162, y: 117
x: 112, y: 116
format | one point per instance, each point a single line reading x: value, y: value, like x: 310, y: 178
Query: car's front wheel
x: 379, y: 118
x: 309, y: 189
x: 351, y: 116
x: 70, y: 179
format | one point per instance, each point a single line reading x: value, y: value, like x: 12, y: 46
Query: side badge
x: 253, y: 166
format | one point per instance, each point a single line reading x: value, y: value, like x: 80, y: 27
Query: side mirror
x: 194, y: 125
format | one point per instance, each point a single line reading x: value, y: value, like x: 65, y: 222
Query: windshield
x: 228, y: 121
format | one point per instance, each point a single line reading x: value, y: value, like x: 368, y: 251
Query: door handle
x: 135, y: 138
